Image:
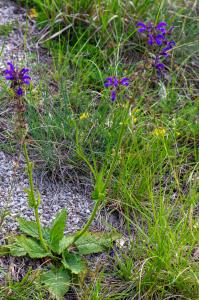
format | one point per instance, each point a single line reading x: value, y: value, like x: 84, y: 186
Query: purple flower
x: 160, y: 66
x: 144, y: 27
x: 155, y: 39
x: 19, y: 91
x: 115, y: 83
x: 156, y: 34
x: 113, y: 95
x: 165, y: 50
x: 161, y: 27
x: 124, y: 81
x: 18, y: 78
x: 111, y: 81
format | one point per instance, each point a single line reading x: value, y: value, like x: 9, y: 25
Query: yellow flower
x: 159, y: 132
x: 135, y: 110
x: 33, y: 13
x: 134, y: 119
x: 84, y: 116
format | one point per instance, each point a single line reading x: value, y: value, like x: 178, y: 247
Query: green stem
x: 42, y: 241
x: 112, y: 167
x: 35, y: 203
x: 90, y: 220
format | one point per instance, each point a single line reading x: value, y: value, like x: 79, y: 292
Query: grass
x: 5, y: 29
x: 154, y: 187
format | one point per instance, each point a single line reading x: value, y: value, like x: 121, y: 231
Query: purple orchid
x: 115, y: 83
x: 18, y: 78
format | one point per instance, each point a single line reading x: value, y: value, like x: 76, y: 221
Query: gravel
x: 55, y: 196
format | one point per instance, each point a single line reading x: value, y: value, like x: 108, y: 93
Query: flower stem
x: 32, y: 200
x: 107, y: 181
x: 42, y: 241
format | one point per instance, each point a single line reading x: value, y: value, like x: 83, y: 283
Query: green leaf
x: 17, y: 250
x: 65, y: 242
x: 94, y: 242
x: 30, y: 228
x: 32, y: 247
x: 57, y: 281
x: 4, y: 250
x: 73, y: 262
x: 57, y: 230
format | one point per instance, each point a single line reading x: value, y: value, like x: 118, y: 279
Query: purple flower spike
x: 156, y: 34
x: 18, y: 78
x: 115, y: 83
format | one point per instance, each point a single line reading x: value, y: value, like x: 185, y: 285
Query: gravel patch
x: 12, y: 45
x: 55, y: 196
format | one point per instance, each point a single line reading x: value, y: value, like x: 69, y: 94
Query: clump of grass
x: 6, y: 29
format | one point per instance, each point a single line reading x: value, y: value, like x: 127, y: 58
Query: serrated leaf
x: 65, y: 242
x: 17, y: 250
x: 57, y: 230
x: 32, y: 247
x: 94, y: 242
x: 73, y: 262
x: 30, y: 228
x: 57, y: 282
x: 4, y: 250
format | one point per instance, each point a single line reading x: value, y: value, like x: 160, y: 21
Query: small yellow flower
x: 159, y: 132
x: 84, y: 116
x: 33, y: 13
x: 135, y: 110
x: 134, y: 119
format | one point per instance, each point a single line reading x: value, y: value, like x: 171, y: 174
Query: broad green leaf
x: 73, y: 262
x: 4, y: 250
x: 32, y: 247
x: 17, y: 250
x: 94, y: 242
x: 57, y: 281
x: 57, y: 230
x: 65, y: 242
x: 30, y: 228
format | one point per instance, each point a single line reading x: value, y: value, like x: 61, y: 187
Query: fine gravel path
x: 55, y: 196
